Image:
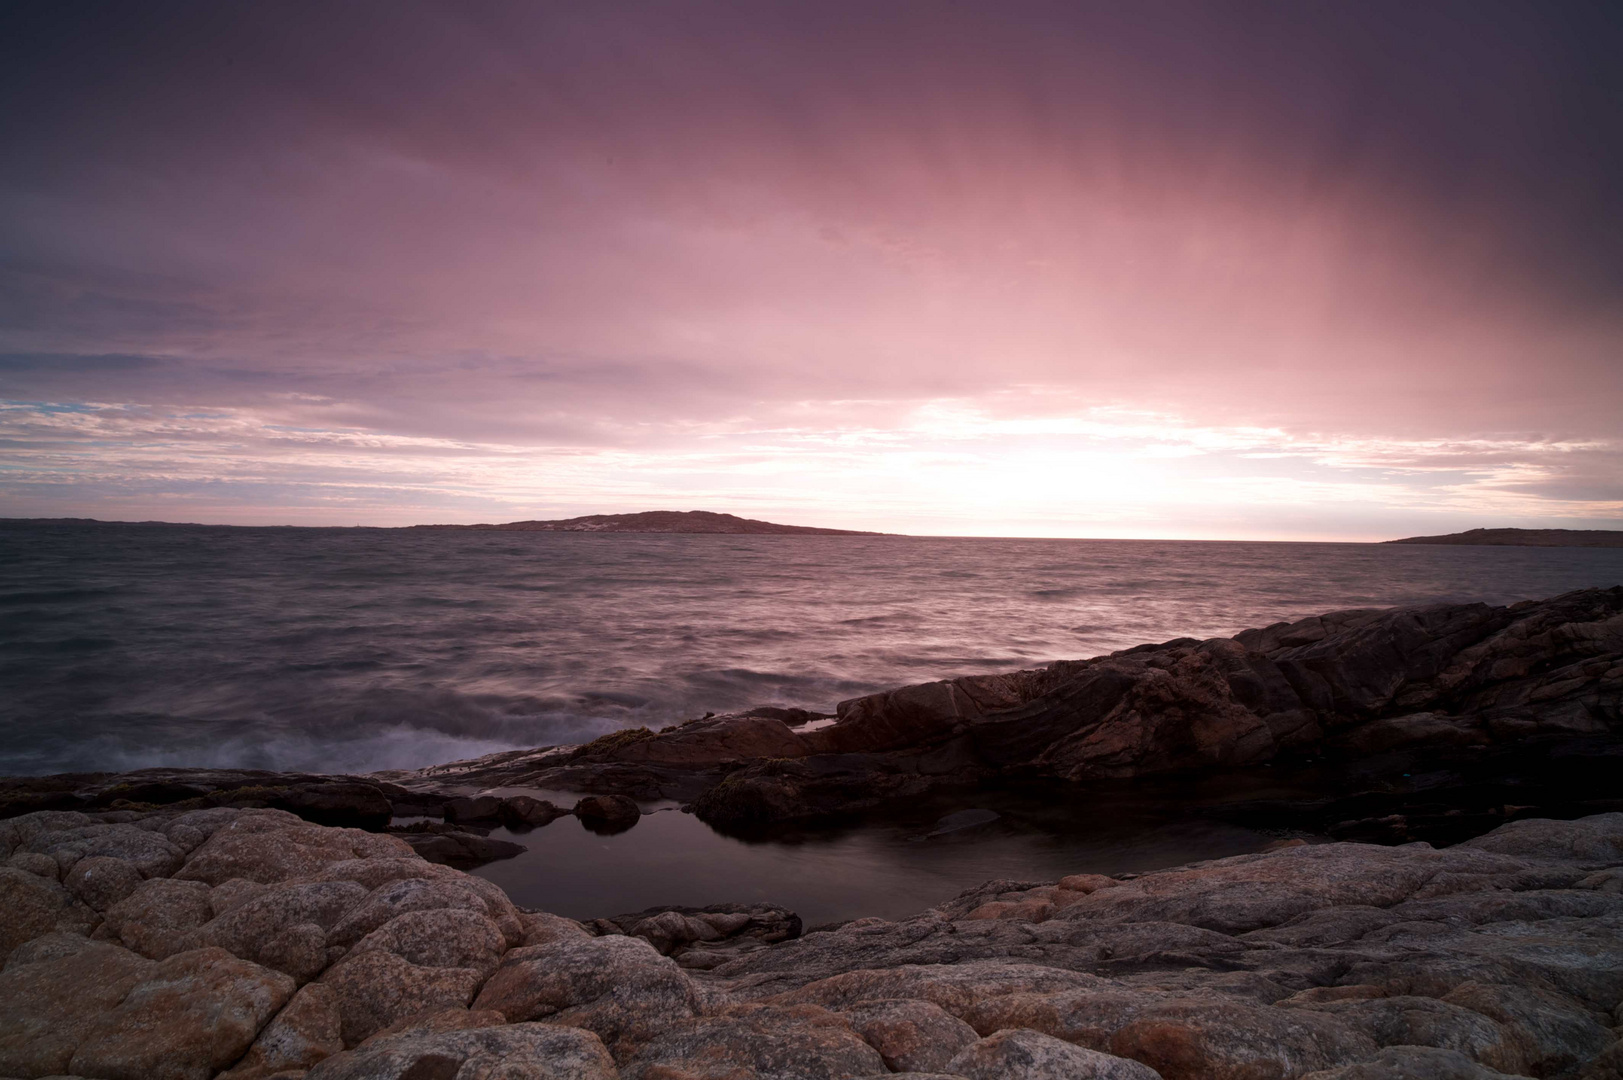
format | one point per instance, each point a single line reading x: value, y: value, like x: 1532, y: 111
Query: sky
x: 1296, y: 271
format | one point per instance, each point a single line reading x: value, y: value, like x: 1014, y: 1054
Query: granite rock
x: 1018, y: 1054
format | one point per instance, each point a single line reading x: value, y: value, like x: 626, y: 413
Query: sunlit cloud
x: 1060, y: 269
x: 944, y: 467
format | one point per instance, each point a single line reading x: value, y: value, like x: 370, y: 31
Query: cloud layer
x: 1056, y: 269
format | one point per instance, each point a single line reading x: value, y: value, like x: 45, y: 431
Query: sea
x: 355, y: 650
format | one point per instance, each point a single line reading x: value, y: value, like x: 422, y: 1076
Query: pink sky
x: 1339, y: 271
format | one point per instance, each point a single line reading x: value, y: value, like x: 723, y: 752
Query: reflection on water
x: 888, y: 869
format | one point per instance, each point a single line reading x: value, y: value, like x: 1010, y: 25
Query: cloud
x: 939, y: 466
x: 568, y: 257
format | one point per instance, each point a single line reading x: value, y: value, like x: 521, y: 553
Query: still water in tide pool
x: 362, y: 649
x: 888, y: 869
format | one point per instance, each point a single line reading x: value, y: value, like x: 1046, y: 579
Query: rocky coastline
x: 251, y: 944
x: 201, y: 923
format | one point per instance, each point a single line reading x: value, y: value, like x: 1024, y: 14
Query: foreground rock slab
x: 250, y: 944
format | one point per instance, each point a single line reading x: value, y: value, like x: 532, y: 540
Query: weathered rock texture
x: 1405, y: 715
x: 251, y: 944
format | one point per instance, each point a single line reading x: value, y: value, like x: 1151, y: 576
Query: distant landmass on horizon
x: 660, y: 521
x: 1524, y: 538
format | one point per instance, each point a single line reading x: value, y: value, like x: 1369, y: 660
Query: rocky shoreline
x: 1435, y: 723
x: 250, y: 944
x: 198, y: 923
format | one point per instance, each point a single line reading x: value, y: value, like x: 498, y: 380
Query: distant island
x: 661, y: 521
x: 1606, y: 538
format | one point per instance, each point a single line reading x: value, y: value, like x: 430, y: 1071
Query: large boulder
x: 719, y: 740
x: 755, y: 1043
x: 1017, y: 1054
x: 101, y: 881
x: 1233, y: 1040
x: 607, y: 813
x: 415, y: 962
x: 33, y: 905
x: 158, y: 919
x: 151, y: 853
x: 283, y: 927
x: 508, y: 1052
x: 270, y: 849
x: 911, y: 1036
x: 307, y: 1030
x: 461, y: 848
x: 376, y: 988
x: 615, y: 986
x: 103, y: 1011
x: 426, y: 894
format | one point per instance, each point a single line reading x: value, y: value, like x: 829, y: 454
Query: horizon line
x: 6, y: 520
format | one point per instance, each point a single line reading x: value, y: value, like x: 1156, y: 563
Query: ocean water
x: 362, y: 649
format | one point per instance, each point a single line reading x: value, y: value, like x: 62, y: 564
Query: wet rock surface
x: 271, y: 947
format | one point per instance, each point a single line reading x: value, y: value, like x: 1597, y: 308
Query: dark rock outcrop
x: 1436, y: 722
x: 706, y: 937
x: 348, y: 801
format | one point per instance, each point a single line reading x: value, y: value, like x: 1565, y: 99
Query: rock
x: 1227, y: 1040
x: 540, y: 928
x: 458, y: 848
x: 270, y: 849
x: 376, y: 988
x: 911, y: 1036
x: 615, y: 986
x: 755, y: 1043
x: 1089, y: 1017
x: 51, y: 1001
x: 1420, y: 1021
x: 375, y: 872
x: 440, y: 1020
x: 523, y: 812
x: 1454, y: 684
x: 954, y: 986
x: 1018, y: 1054
x: 509, y: 1052
x: 151, y: 853
x: 724, y: 927
x: 1596, y: 840
x: 1545, y: 1031
x: 101, y: 881
x: 103, y: 1011
x: 232, y: 894
x: 438, y: 938
x: 284, y: 927
x: 480, y: 808
x: 353, y: 805
x: 304, y: 1032
x: 1411, y: 1063
x: 158, y: 918
x: 607, y: 813
x: 34, y: 863
x: 419, y: 894
x: 52, y: 946
x: 700, y: 744
x: 33, y: 906
x: 417, y: 961
x: 192, y: 1015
